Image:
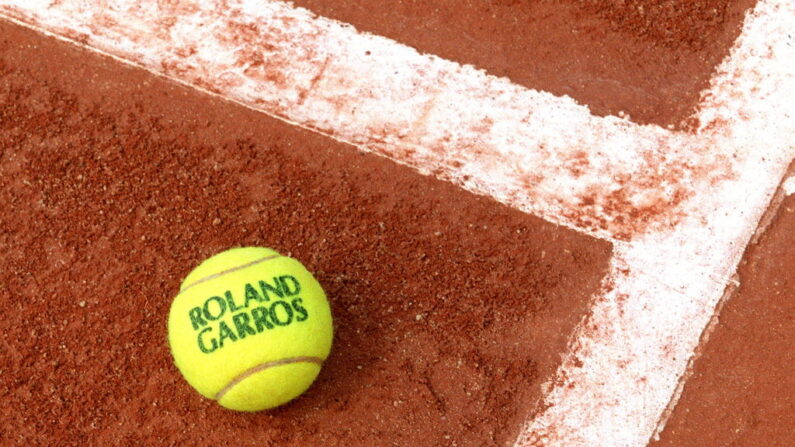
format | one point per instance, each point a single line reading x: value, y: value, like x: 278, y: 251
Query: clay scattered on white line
x: 678, y: 207
x: 644, y: 331
x: 543, y: 154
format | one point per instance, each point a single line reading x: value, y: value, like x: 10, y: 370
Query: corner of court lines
x: 735, y: 112
x: 679, y: 207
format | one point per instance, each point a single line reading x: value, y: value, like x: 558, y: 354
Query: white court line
x: 789, y: 186
x: 458, y: 123
x: 678, y: 207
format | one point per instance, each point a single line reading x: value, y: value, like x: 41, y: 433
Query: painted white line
x: 628, y: 359
x: 789, y: 186
x: 543, y: 154
x: 747, y: 112
x: 678, y: 207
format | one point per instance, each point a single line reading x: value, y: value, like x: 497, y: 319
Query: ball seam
x: 226, y: 272
x: 262, y: 367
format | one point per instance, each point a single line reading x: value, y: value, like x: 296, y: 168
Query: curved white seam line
x: 224, y: 272
x: 263, y: 367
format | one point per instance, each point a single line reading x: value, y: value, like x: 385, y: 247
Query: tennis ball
x: 250, y: 328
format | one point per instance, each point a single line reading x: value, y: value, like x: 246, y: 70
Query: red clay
x: 647, y: 58
x: 451, y: 310
x: 741, y: 391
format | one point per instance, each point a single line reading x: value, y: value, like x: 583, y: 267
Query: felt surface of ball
x: 250, y: 328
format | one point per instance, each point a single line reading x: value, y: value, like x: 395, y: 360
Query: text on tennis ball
x: 254, y: 308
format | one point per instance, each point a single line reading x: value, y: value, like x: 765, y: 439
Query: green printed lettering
x: 233, y: 307
x: 286, y: 317
x: 221, y: 308
x: 202, y: 346
x: 296, y: 285
x: 252, y: 295
x: 241, y: 324
x: 300, y: 309
x: 269, y: 288
x: 224, y: 333
x: 196, y: 320
x: 260, y: 315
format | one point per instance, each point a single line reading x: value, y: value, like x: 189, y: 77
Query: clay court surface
x: 645, y: 299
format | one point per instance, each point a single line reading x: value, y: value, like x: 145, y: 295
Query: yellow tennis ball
x: 250, y: 328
